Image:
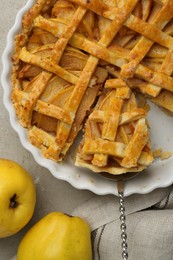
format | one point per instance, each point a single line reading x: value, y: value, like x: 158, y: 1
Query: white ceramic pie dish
x: 156, y: 176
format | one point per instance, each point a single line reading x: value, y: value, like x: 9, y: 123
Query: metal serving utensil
x: 120, y: 186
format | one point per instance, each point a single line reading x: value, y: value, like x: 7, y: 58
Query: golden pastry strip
x: 53, y: 111
x: 47, y: 65
x: 27, y: 101
x: 132, y: 115
x: 69, y: 31
x: 126, y: 117
x: 115, y: 83
x: 136, y: 144
x: 104, y: 147
x: 110, y: 126
x: 67, y: 34
x: 150, y: 31
x: 36, y: 137
x: 167, y: 63
x: 112, y: 114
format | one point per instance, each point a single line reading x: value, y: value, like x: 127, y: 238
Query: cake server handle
x: 123, y: 226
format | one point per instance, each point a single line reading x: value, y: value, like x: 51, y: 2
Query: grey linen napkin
x: 149, y: 220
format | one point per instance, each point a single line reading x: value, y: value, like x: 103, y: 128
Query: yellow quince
x: 57, y: 236
x: 17, y: 197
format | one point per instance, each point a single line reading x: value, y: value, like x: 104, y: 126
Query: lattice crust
x: 68, y: 49
x: 116, y: 138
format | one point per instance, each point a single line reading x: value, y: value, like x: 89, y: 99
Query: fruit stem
x: 68, y: 215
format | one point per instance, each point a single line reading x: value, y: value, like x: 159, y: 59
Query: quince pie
x: 78, y: 64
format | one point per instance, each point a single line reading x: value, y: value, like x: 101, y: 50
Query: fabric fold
x: 149, y: 220
x: 101, y: 210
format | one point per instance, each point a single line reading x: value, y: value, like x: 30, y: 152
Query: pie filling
x: 78, y: 65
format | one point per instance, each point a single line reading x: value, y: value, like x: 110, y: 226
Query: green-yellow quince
x: 57, y: 236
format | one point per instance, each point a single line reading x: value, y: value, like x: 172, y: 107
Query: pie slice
x: 116, y: 138
x: 64, y: 54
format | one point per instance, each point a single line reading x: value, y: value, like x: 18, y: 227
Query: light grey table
x: 52, y: 194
